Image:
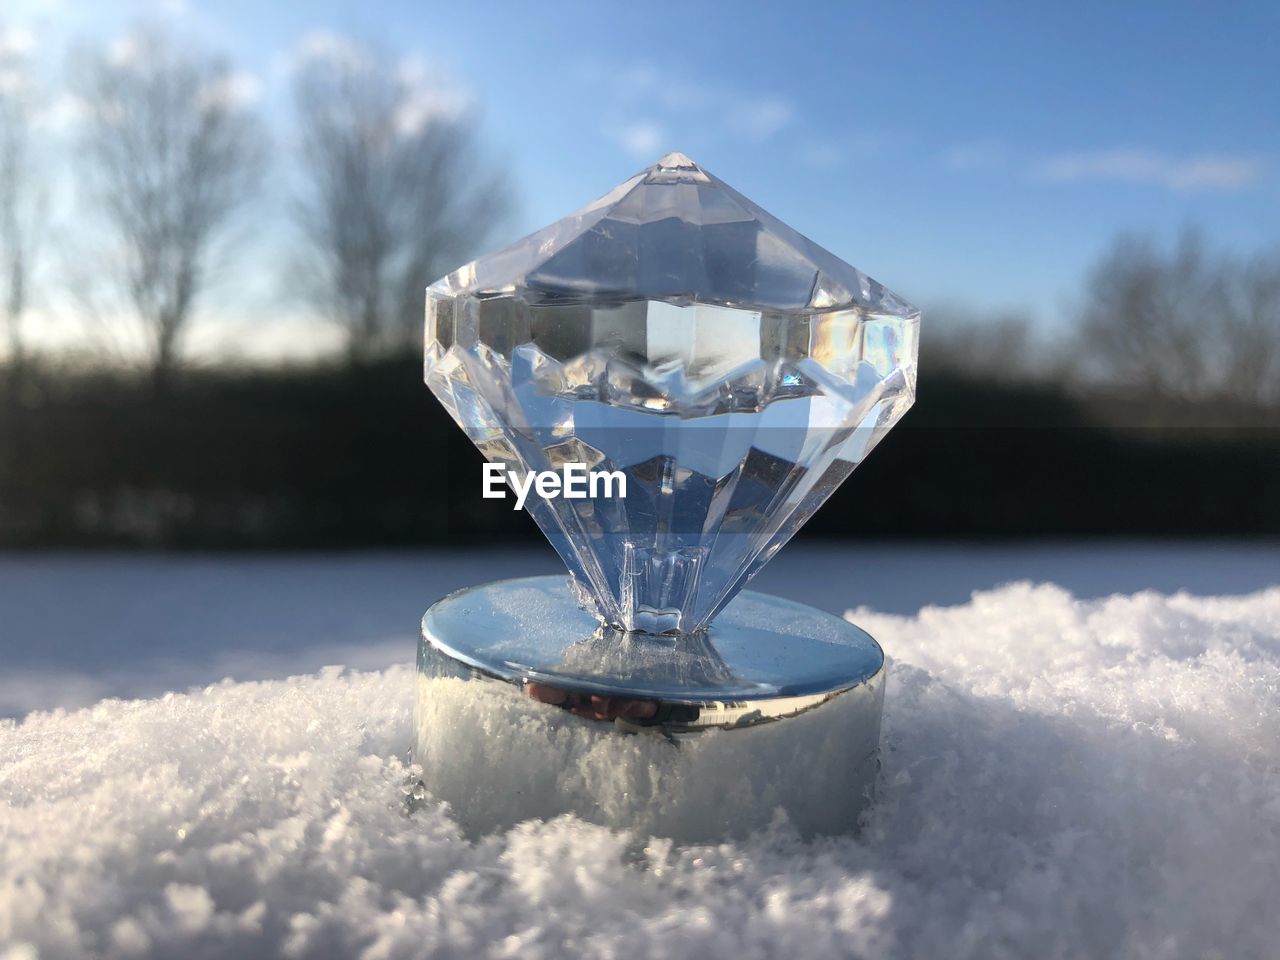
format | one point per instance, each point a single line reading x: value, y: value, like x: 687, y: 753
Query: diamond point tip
x: 675, y: 160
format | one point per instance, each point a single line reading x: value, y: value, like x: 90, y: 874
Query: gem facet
x: 734, y: 371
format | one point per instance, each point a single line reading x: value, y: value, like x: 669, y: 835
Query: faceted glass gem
x: 732, y: 370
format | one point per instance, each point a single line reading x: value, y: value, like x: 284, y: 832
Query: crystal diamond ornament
x: 733, y: 373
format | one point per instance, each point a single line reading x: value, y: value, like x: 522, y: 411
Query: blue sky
x: 980, y: 153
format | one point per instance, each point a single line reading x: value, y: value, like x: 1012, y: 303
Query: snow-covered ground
x: 78, y: 627
x: 1066, y: 772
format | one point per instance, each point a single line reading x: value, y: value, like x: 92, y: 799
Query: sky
x: 975, y: 154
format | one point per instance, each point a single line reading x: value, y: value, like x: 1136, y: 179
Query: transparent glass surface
x: 732, y: 370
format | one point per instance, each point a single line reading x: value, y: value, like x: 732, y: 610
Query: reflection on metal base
x: 527, y: 707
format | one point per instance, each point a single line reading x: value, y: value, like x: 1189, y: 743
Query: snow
x: 1065, y: 773
x: 78, y: 627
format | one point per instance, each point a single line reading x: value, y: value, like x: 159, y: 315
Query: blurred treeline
x: 1158, y: 414
x: 363, y: 455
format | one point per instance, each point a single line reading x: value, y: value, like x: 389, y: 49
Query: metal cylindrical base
x: 527, y: 708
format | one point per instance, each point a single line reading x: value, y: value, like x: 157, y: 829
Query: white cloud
x: 62, y: 114
x: 761, y: 118
x: 429, y: 95
x: 414, y: 71
x: 238, y: 88
x: 644, y: 84
x: 16, y: 41
x: 328, y: 47
x: 1204, y: 172
x: 39, y: 11
x: 643, y: 140
x: 13, y: 83
x: 646, y: 101
x: 426, y: 104
x: 124, y: 51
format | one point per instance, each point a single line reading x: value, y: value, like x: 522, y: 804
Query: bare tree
x: 1251, y: 329
x: 1141, y: 324
x: 22, y: 198
x: 172, y: 152
x: 1000, y: 347
x: 1185, y: 324
x: 394, y: 195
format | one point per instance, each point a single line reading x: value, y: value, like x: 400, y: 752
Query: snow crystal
x: 1060, y: 777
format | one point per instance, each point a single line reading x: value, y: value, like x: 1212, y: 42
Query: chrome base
x: 524, y: 702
